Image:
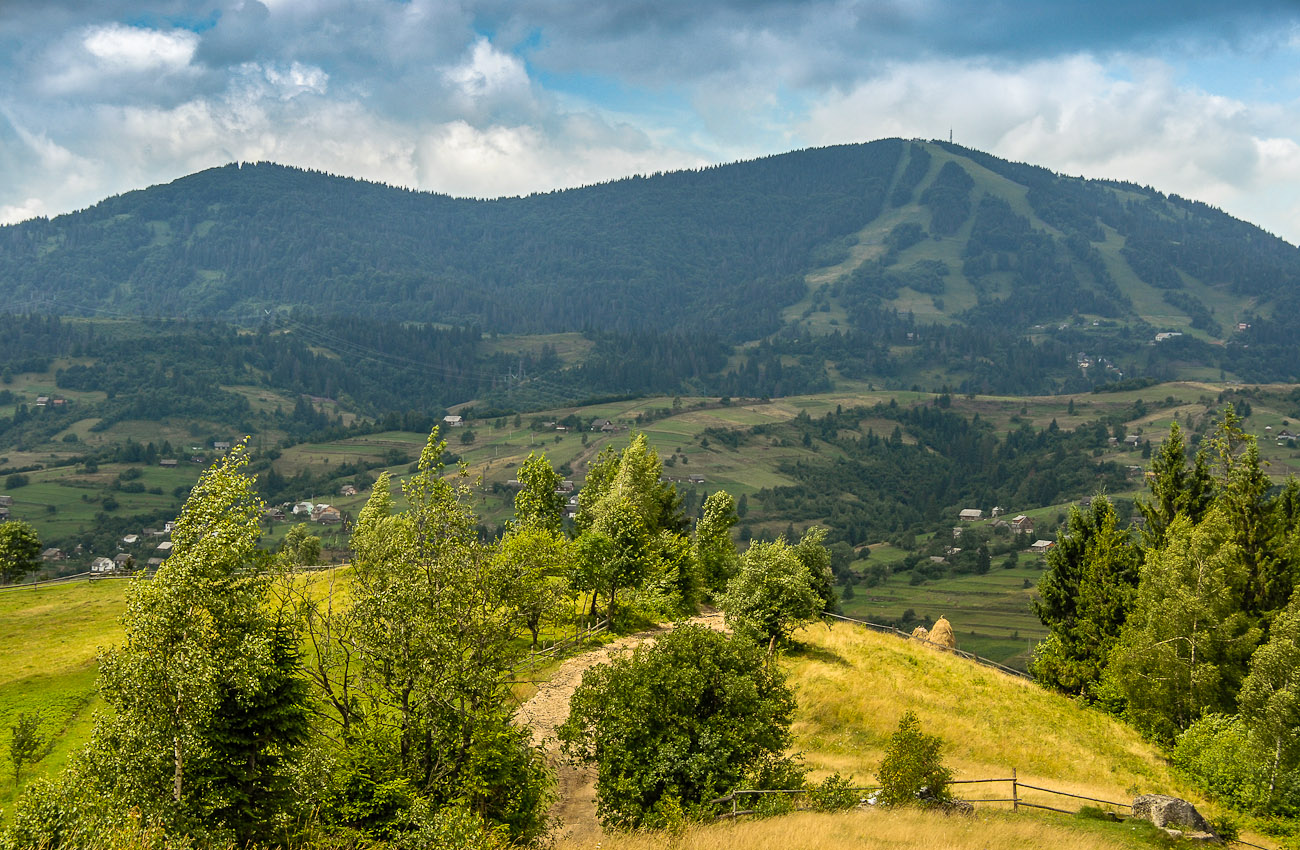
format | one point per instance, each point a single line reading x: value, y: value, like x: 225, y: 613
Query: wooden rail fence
x: 1016, y: 798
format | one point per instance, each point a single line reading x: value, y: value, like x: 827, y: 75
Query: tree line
x: 253, y: 705
x: 1188, y: 628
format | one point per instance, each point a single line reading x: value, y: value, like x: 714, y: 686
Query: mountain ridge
x: 887, y: 240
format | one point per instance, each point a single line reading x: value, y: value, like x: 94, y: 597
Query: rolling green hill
x: 897, y: 261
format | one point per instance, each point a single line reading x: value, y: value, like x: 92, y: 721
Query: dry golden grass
x: 898, y: 828
x: 853, y: 685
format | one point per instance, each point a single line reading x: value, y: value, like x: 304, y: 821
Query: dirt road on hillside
x: 575, y: 807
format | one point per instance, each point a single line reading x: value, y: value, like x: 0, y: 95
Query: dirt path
x: 575, y: 807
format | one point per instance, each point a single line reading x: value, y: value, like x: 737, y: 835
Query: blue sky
x: 500, y: 97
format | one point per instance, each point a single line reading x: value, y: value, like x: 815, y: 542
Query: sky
x: 487, y: 98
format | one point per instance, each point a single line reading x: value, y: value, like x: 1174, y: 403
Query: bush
x: 1218, y: 754
x: 833, y: 794
x: 689, y: 717
x: 912, y: 771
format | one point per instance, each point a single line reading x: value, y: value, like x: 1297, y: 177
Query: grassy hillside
x: 851, y: 685
x: 47, y: 662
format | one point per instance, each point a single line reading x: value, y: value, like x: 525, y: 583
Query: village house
x: 1133, y: 440
x: 1041, y: 546
x: 169, y: 463
x: 327, y: 515
x: 997, y: 512
x: 303, y: 509
x: 123, y: 560
x: 221, y: 446
x: 131, y: 539
x: 971, y: 515
x: 102, y: 565
x: 452, y: 420
x: 274, y: 514
x: 4, y: 513
x: 695, y: 479
x: 164, y: 547
x: 1022, y: 524
x: 42, y: 400
x: 956, y: 532
x: 6, y: 501
x: 52, y: 554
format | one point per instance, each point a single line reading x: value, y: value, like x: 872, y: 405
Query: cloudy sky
x: 497, y: 97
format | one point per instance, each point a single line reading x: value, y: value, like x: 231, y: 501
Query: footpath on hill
x: 574, y: 811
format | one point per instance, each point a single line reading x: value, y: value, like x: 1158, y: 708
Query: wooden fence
x: 1016, y: 798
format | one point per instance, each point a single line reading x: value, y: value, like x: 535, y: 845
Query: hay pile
x: 921, y: 633
x: 942, y: 634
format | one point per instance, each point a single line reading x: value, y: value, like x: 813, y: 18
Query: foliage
x: 1183, y: 650
x: 537, y: 559
x: 912, y: 770
x: 26, y: 743
x: 1222, y: 757
x: 833, y: 794
x: 538, y: 501
x: 412, y: 674
x: 1270, y: 703
x: 20, y: 551
x: 714, y: 550
x: 773, y: 594
x: 1084, y: 598
x: 299, y: 547
x: 683, y: 719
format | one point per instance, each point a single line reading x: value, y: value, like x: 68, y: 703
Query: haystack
x: 941, y: 634
x: 921, y: 633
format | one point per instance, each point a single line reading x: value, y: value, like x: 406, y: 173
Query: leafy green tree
x: 199, y: 640
x: 714, y: 550
x: 430, y: 634
x: 537, y: 558
x: 26, y: 743
x: 680, y: 722
x: 816, y: 559
x: 1183, y: 651
x: 1085, y: 598
x: 300, y: 548
x: 1270, y: 698
x: 20, y: 551
x: 537, y: 502
x: 773, y: 594
x: 912, y: 771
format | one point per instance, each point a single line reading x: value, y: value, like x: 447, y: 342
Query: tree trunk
x: 179, y: 754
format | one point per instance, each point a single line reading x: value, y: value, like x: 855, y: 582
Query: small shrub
x: 912, y: 771
x: 771, y: 805
x: 832, y: 794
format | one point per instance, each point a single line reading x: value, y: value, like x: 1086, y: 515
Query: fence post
x: 1015, y: 795
x: 734, y: 814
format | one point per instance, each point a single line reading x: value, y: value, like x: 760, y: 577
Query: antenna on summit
x: 950, y: 135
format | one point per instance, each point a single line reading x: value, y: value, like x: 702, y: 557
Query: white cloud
x: 135, y: 49
x: 488, y: 71
x: 1124, y: 120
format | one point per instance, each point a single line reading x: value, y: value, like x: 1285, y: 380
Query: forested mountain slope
x: 893, y: 261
